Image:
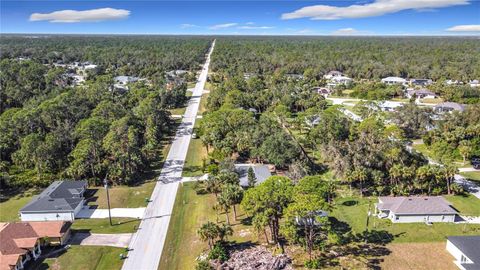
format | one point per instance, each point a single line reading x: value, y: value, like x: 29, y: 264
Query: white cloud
x: 465, y: 28
x: 249, y: 23
x: 376, y: 8
x: 188, y: 25
x: 345, y: 31
x: 350, y: 32
x: 222, y: 26
x: 249, y: 27
x: 74, y: 16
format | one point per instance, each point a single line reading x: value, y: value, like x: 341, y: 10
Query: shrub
x: 313, y: 264
x: 218, y: 252
x: 203, y: 265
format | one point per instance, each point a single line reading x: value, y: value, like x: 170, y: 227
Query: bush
x: 203, y: 265
x: 313, y: 264
x: 218, y: 252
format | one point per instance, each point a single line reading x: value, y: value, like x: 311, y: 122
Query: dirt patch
x: 421, y: 256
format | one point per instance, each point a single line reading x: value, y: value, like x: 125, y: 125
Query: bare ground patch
x: 421, y: 256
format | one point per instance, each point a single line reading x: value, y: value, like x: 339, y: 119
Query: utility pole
x: 105, y: 182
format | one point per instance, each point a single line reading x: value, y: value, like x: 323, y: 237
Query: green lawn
x: 178, y: 111
x: 190, y: 212
x: 10, y: 207
x: 468, y: 205
x: 102, y: 225
x: 475, y: 176
x: 122, y: 196
x: 203, y: 104
x: 354, y: 210
x: 83, y: 258
x: 195, y: 155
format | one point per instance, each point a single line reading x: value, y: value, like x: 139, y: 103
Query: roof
x: 421, y: 92
x: 50, y: 228
x: 394, y: 79
x: 335, y: 73
x: 423, y: 205
x: 126, y: 79
x: 421, y: 81
x: 451, y: 105
x: 60, y: 196
x: 469, y: 245
x: 261, y: 173
x: 19, y: 237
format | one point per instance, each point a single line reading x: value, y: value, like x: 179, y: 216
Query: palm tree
x: 209, y: 232
x: 213, y: 185
x: 449, y: 174
x: 232, y: 195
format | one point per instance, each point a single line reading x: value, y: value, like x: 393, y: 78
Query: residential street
x: 147, y: 243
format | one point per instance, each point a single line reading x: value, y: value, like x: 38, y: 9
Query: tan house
x: 23, y: 241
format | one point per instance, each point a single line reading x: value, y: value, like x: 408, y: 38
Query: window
x: 463, y: 259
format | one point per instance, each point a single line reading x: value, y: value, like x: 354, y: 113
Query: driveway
x: 98, y: 239
x: 116, y: 212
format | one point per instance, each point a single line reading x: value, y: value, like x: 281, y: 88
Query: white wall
x: 39, y: 216
x: 456, y: 253
x: 421, y: 218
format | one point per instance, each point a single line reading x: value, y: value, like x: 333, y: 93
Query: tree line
x: 50, y: 130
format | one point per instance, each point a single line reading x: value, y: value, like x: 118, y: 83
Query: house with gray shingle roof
x: 415, y: 209
x: 62, y: 200
x: 448, y: 107
x: 262, y: 172
x: 466, y: 250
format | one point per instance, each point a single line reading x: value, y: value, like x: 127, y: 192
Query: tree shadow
x: 350, y: 203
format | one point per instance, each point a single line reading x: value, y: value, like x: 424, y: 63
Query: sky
x: 250, y: 17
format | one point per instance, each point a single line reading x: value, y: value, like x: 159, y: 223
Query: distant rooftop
x: 450, y: 105
x: 60, y: 196
x: 261, y: 173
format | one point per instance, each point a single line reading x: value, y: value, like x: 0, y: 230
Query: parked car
x: 476, y: 163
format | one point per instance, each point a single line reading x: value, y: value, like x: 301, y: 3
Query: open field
x: 191, y: 210
x: 354, y: 210
x: 83, y: 258
x: 102, y: 225
x: 419, y: 256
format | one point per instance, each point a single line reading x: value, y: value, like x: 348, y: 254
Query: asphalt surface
x: 147, y: 243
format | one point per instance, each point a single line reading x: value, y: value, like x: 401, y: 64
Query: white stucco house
x: 412, y: 209
x: 394, y: 80
x: 62, y: 200
x: 465, y: 250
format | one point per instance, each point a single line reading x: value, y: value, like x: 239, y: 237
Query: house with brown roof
x: 23, y: 241
x: 426, y: 209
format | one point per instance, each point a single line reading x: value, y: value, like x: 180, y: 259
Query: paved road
x: 147, y: 243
